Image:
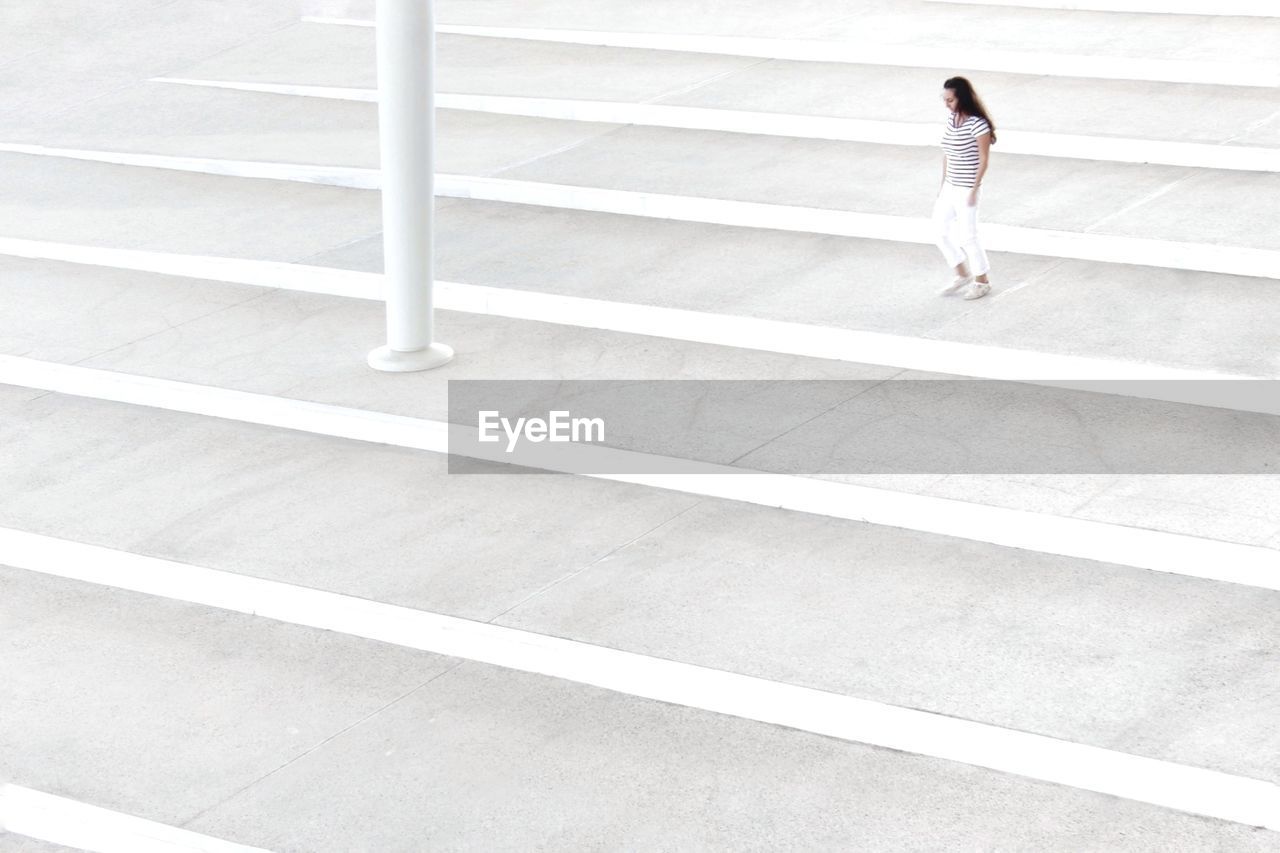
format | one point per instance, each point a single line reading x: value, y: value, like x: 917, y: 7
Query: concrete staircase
x: 244, y: 598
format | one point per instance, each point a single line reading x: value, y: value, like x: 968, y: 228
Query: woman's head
x: 958, y: 95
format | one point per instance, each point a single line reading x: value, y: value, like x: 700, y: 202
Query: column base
x: 394, y: 361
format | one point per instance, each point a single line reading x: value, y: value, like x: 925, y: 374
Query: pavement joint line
x: 1105, y: 248
x: 1082, y: 505
x: 1199, y: 155
x: 696, y: 85
x: 1160, y: 192
x: 1210, y: 793
x: 1254, y: 74
x: 774, y: 439
x: 1085, y: 539
x: 1026, y: 282
x: 278, y: 28
x: 264, y: 293
x: 1251, y: 128
x: 591, y: 564
x: 71, y: 106
x: 324, y: 742
x: 740, y: 332
x: 13, y: 57
x: 555, y: 152
x: 70, y: 823
x: 337, y: 22
x: 1212, y: 8
x: 819, y: 26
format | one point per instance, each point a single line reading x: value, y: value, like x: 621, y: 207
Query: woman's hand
x: 973, y: 197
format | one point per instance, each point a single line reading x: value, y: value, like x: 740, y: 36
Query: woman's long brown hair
x: 970, y: 103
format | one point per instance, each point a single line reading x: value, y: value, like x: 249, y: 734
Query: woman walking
x: 966, y: 146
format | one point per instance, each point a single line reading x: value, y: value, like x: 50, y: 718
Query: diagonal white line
x: 337, y: 176
x: 1165, y: 254
x: 63, y: 821
x: 334, y: 93
x: 1189, y: 789
x: 1070, y: 537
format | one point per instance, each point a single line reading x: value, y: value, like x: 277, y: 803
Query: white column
x: 406, y: 141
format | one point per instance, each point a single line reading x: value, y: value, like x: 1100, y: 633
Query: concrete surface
x: 1168, y: 316
x: 74, y: 52
x: 1115, y: 311
x: 1139, y: 109
x: 308, y: 347
x: 127, y: 207
x: 474, y: 756
x: 408, y: 539
x: 1209, y: 207
x: 906, y: 22
x: 737, y: 17
x: 1068, y: 195
x: 999, y: 635
x: 928, y: 622
x: 1185, y: 37
x: 221, y: 124
x: 242, y: 697
x: 60, y: 312
x: 11, y: 843
x: 296, y: 739
x: 343, y: 56
x: 1238, y: 509
x: 516, y: 762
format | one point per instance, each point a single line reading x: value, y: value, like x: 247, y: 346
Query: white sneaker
x: 960, y: 282
x: 977, y: 290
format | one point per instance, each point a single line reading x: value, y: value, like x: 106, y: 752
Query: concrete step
x: 1180, y: 204
x: 859, y: 50
x: 997, y: 635
x: 162, y: 210
x: 1257, y: 262
x: 1125, y: 200
x: 855, y: 283
x: 322, y: 55
x: 311, y: 347
x: 283, y: 737
x: 1127, y: 313
x: 162, y: 709
x: 67, y: 54
x: 1174, y: 47
x: 1232, y: 157
x: 229, y: 125
x: 799, y: 629
x: 1194, y: 320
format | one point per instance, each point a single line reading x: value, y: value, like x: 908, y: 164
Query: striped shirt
x: 960, y: 144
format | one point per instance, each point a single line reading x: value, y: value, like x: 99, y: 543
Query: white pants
x: 956, y: 229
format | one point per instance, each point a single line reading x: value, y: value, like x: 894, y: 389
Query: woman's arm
x: 944, y: 171
x: 984, y: 156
